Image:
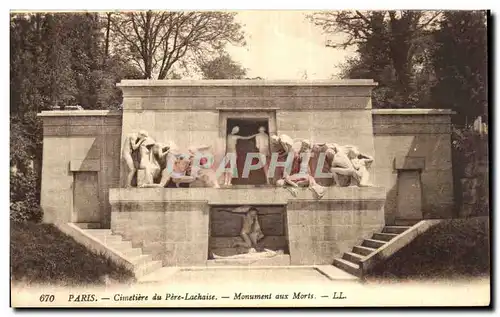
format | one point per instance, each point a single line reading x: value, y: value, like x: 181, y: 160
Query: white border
x: 200, y: 4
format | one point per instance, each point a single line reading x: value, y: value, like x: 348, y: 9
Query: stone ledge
x: 79, y: 113
x: 412, y: 111
x: 245, y: 82
x: 255, y: 196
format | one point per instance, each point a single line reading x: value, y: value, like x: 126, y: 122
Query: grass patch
x: 41, y: 253
x: 456, y: 248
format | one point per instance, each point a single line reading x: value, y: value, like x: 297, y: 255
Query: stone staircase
x: 351, y: 261
x: 133, y: 258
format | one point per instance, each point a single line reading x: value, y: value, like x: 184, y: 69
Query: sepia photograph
x: 249, y: 158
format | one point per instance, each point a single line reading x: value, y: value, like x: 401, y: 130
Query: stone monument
x: 303, y: 129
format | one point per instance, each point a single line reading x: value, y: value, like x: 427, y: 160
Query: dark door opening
x: 248, y: 126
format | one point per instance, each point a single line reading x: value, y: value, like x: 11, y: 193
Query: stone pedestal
x: 173, y: 224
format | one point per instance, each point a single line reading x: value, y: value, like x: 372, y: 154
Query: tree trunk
x: 106, y: 43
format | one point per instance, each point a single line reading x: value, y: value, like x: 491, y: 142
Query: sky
x: 284, y: 45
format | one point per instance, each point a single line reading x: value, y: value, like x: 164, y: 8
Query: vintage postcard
x: 249, y: 159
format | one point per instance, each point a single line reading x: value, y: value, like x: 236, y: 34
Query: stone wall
x: 173, y: 224
x: 174, y: 232
x: 405, y: 138
x: 320, y: 231
x: 79, y: 146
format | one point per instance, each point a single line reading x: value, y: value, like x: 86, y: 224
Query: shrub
x: 24, y: 204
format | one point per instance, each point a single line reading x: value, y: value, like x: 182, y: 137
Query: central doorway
x: 248, y: 126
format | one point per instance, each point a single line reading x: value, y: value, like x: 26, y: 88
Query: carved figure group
x: 159, y: 165
x: 285, y: 160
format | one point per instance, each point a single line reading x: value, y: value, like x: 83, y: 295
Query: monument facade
x: 199, y: 171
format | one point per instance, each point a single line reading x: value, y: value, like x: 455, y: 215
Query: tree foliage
x: 390, y: 47
x: 56, y: 59
x: 156, y: 41
x: 430, y: 59
x: 425, y: 59
x: 460, y: 62
x: 222, y: 67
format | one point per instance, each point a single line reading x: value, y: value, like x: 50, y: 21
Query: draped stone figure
x: 149, y: 167
x: 130, y: 153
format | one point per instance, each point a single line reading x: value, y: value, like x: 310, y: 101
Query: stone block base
x: 174, y: 225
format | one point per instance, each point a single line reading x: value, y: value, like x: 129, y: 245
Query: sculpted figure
x: 176, y: 168
x: 349, y: 167
x: 201, y: 168
x: 252, y: 254
x: 181, y: 171
x: 231, y: 141
x: 132, y: 143
x: 251, y: 233
x: 149, y: 167
x: 281, y: 145
x: 328, y: 152
x: 361, y: 162
x: 300, y: 175
x: 262, y: 143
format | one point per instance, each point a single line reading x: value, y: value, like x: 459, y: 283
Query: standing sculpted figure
x: 262, y: 143
x: 132, y: 142
x: 231, y: 141
x: 149, y: 167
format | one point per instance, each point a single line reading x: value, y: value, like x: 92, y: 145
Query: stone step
x: 147, y: 268
x: 119, y: 244
x: 352, y: 257
x: 406, y: 222
x: 98, y: 232
x: 384, y: 236
x: 106, y: 239
x: 347, y: 266
x: 395, y: 229
x: 88, y: 225
x: 130, y: 252
x: 141, y: 259
x: 362, y: 250
x: 371, y: 243
x: 278, y: 260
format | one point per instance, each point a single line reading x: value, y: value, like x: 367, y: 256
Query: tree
x: 460, y: 61
x: 156, y: 41
x: 56, y: 59
x: 388, y: 44
x: 222, y: 67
